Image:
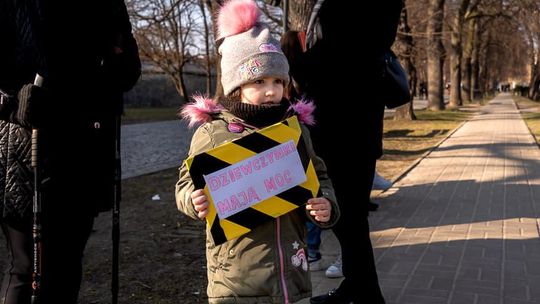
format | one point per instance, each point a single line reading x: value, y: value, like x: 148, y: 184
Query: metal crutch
x: 36, y: 210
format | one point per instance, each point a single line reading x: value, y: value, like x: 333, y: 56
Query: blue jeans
x: 313, y: 240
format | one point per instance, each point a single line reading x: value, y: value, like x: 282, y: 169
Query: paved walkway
x: 463, y: 226
x: 152, y: 147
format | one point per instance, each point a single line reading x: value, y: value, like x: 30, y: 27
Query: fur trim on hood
x: 201, y: 110
x: 304, y: 109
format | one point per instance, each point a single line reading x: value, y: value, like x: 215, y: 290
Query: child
x: 268, y: 264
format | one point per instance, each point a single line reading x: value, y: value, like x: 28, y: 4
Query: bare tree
x: 405, y: 46
x: 213, y: 7
x: 206, y: 37
x: 435, y: 55
x: 456, y: 54
x: 165, y: 32
x: 299, y: 13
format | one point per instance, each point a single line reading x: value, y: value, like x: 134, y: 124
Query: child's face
x: 267, y: 90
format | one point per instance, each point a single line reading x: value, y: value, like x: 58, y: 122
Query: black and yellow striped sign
x: 232, y: 152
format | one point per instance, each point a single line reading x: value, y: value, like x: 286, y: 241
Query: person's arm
x: 122, y: 65
x: 326, y: 187
x: 201, y: 141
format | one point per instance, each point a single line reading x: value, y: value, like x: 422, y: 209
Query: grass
x: 141, y: 115
x: 530, y: 111
x: 406, y: 140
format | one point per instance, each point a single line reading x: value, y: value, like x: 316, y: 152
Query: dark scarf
x: 258, y: 116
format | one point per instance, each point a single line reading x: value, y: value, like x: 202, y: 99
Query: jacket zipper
x: 281, y: 263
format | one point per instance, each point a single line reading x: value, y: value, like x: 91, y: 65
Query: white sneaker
x: 380, y: 183
x: 336, y: 269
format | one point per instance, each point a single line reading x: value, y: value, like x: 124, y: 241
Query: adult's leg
x: 352, y: 232
x: 64, y: 240
x: 16, y: 286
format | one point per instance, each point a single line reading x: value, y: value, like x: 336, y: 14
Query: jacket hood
x: 202, y: 109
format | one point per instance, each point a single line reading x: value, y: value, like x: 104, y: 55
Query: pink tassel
x: 237, y: 16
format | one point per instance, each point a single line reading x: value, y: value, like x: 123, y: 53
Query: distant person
x: 87, y: 57
x: 268, y: 264
x: 423, y: 90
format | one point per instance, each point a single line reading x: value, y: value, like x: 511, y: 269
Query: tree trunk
x: 456, y: 55
x: 483, y: 71
x: 534, y: 82
x: 467, y: 54
x: 435, y: 55
x: 405, y: 43
x: 213, y: 7
x: 180, y: 84
x: 206, y: 48
x: 475, y: 63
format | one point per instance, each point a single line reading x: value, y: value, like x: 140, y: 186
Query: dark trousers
x: 352, y: 231
x: 64, y: 239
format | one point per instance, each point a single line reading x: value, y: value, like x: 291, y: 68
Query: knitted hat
x: 249, y: 52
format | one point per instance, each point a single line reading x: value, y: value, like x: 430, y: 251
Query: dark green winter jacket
x: 268, y: 264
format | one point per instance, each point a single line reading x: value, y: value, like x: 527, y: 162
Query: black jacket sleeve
x: 122, y: 65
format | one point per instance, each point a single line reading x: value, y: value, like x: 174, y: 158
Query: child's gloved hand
x: 200, y: 203
x: 320, y: 208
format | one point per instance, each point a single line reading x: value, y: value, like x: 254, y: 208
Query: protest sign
x: 254, y: 179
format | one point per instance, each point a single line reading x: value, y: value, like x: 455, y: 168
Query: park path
x: 463, y: 226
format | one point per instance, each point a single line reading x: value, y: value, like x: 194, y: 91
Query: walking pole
x: 36, y: 210
x: 116, y: 208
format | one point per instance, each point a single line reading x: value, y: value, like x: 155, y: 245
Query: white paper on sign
x: 255, y: 179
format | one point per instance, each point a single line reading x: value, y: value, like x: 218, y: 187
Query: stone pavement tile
x: 414, y: 299
x: 487, y: 299
x: 420, y: 281
x: 514, y: 269
x: 532, y: 267
x: 438, y: 271
x: 534, y: 290
x: 516, y: 289
x: 493, y: 275
x: 392, y: 279
x: 532, y: 248
x: 463, y: 298
x: 470, y: 273
x: 403, y: 267
x: 516, y: 301
x: 391, y: 293
x: 478, y: 287
x: 442, y: 284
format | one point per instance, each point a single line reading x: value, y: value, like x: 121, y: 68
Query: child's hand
x: 320, y: 208
x: 200, y: 203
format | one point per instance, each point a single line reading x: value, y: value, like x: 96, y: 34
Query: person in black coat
x: 84, y: 75
x: 351, y: 104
